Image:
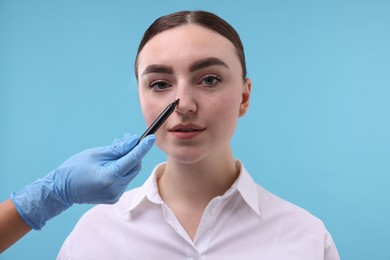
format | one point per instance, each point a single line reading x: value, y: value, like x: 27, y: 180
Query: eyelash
x: 213, y: 77
x: 153, y: 85
x: 216, y: 80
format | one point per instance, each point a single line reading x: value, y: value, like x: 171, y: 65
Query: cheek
x: 148, y: 107
x: 226, y: 111
x: 152, y: 104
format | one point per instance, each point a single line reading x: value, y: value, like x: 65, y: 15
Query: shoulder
x: 115, y: 214
x: 295, y: 223
x: 271, y: 206
x: 111, y: 210
x: 100, y: 225
x: 276, y: 207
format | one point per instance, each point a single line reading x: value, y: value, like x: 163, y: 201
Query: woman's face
x: 200, y: 67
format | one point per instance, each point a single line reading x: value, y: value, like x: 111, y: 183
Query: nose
x: 187, y: 103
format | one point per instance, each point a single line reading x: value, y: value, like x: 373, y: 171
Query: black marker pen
x: 159, y: 120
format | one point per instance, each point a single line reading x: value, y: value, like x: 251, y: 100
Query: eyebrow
x: 207, y: 62
x: 197, y: 65
x: 157, y: 68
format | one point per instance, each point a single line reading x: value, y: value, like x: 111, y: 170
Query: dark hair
x: 202, y: 18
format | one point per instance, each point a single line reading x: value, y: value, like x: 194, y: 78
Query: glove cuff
x: 38, y: 202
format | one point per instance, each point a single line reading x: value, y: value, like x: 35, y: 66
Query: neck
x: 187, y: 188
x: 197, y: 183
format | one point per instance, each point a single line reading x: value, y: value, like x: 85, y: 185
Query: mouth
x: 187, y: 128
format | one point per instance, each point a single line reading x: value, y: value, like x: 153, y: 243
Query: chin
x: 189, y: 155
x: 186, y: 160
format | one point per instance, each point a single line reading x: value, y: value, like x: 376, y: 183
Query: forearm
x: 12, y: 226
x: 97, y: 175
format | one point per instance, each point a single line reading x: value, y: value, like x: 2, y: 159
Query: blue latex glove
x: 97, y: 175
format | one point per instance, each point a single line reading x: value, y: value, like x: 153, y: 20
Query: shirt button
x: 195, y: 257
x: 213, y: 211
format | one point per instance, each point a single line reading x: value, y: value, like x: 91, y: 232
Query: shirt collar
x: 247, y: 188
x: 148, y: 190
x: 244, y: 184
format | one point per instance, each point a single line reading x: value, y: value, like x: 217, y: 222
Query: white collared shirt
x: 247, y: 222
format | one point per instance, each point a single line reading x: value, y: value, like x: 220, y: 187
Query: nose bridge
x: 187, y: 102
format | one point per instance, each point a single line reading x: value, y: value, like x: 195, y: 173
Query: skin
x: 12, y: 225
x: 200, y: 67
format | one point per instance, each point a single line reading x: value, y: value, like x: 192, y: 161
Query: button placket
x: 208, y: 221
x: 214, y: 207
x: 213, y: 211
x: 192, y: 252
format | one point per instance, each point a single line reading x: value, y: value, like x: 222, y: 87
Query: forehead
x: 186, y: 43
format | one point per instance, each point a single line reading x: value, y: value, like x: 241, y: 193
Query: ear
x: 246, y: 93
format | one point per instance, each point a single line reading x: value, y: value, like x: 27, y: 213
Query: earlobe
x: 246, y: 93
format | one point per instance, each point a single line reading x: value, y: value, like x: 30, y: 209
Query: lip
x: 186, y: 131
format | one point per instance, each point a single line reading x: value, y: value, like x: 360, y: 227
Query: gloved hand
x: 97, y: 175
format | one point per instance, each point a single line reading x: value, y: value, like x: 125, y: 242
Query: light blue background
x: 318, y: 129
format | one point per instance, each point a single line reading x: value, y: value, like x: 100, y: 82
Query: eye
x: 210, y: 80
x: 159, y: 85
